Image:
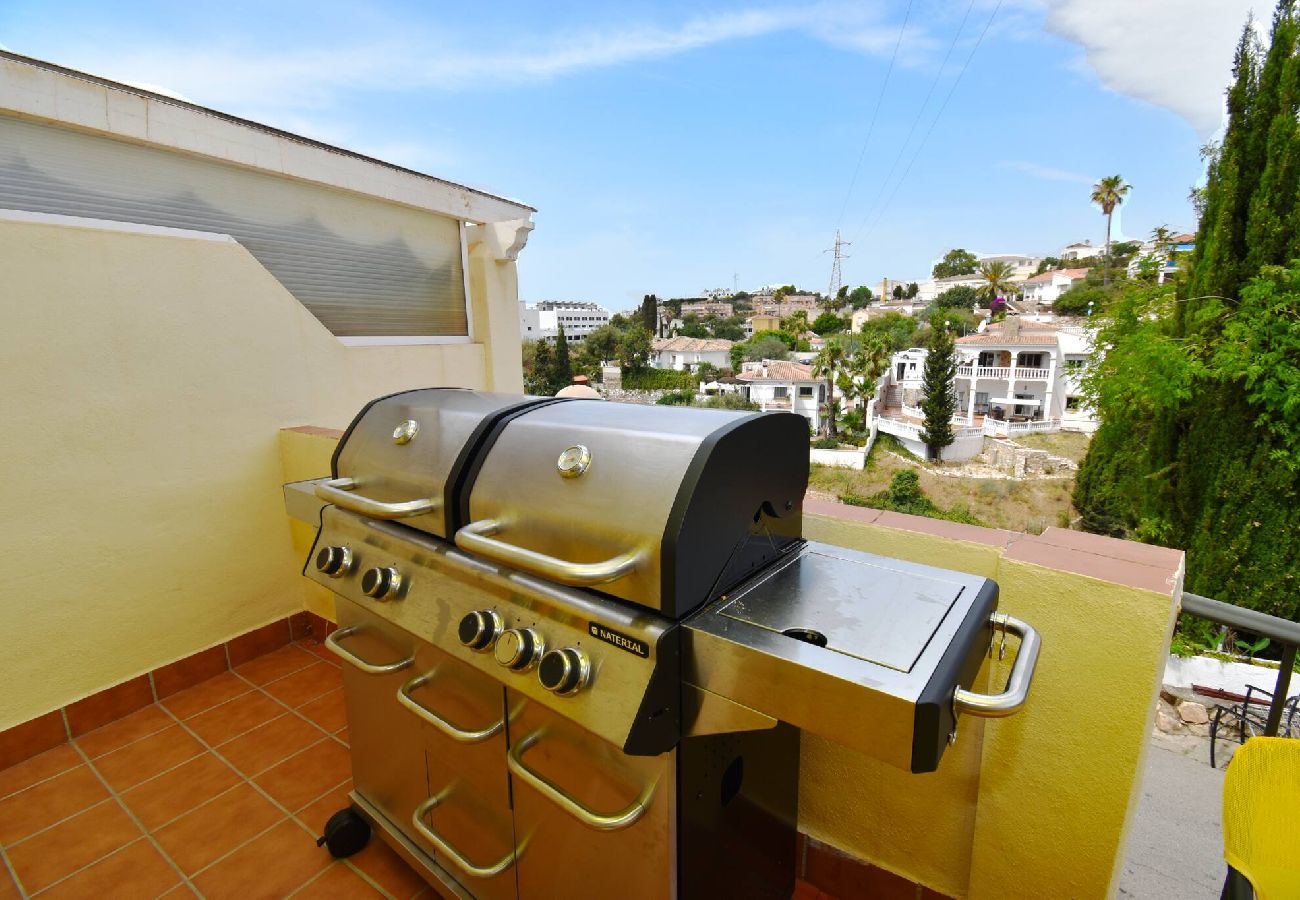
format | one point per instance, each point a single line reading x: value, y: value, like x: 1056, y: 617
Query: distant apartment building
x: 543, y: 320
x: 704, y: 308
x: 786, y: 306
x: 1080, y: 251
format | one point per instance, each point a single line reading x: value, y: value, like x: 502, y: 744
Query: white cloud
x: 1173, y: 53
x: 1046, y: 173
x: 237, y: 77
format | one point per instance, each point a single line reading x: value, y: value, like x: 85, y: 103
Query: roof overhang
x: 42, y: 91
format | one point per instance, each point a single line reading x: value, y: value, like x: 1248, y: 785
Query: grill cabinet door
x: 465, y: 823
x: 561, y: 855
x: 388, y: 767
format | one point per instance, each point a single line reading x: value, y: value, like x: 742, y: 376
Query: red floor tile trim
x: 193, y: 794
x: 220, y: 789
x: 174, y: 680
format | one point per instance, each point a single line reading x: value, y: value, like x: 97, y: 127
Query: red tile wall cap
x: 1116, y: 548
x: 316, y: 430
x: 1032, y: 549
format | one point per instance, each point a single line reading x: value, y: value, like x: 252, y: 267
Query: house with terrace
x: 1016, y: 377
x: 1042, y: 290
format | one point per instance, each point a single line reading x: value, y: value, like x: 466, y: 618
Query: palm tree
x: 997, y: 278
x: 872, y: 359
x: 796, y: 323
x: 863, y: 368
x: 1109, y: 193
x: 830, y: 358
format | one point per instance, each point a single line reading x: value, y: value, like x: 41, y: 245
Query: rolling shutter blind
x: 362, y: 266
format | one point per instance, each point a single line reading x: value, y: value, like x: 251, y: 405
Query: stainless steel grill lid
x: 660, y: 506
x: 404, y: 455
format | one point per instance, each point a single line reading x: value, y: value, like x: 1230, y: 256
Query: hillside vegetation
x: 1199, y: 389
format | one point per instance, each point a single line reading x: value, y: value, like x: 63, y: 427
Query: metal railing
x: 1282, y: 631
x: 1004, y: 427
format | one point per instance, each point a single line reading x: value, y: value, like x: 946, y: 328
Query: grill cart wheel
x: 346, y: 833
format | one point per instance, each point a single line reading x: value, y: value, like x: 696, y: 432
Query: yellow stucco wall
x: 1038, y: 804
x: 146, y: 377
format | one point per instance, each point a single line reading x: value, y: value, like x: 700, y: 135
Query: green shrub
x: 827, y: 443
x: 904, y: 495
x: 659, y: 380
x: 727, y: 401
x: 676, y: 398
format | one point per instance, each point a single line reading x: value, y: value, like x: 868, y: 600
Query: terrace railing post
x: 1279, y: 692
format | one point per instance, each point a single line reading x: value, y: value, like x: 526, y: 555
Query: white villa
x: 1017, y: 377
x: 1022, y: 265
x: 779, y: 384
x: 1079, y: 251
x: 936, y: 286
x: 686, y: 354
x: 1042, y: 290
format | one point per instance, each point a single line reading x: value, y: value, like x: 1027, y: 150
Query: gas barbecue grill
x: 581, y: 640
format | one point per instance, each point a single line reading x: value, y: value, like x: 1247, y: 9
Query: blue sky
x: 669, y: 146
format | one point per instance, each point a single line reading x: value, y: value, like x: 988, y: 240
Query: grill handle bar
x: 1010, y: 701
x: 476, y: 537
x: 560, y: 798
x: 455, y: 732
x: 340, y: 492
x: 334, y: 639
x: 440, y: 843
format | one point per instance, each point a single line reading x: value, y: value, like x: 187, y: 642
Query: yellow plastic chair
x: 1261, y: 817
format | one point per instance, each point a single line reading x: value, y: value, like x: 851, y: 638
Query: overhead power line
x: 920, y: 112
x: 874, y: 115
x: 951, y: 90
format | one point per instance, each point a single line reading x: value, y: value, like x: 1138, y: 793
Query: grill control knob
x: 519, y: 649
x: 334, y: 561
x: 381, y: 583
x: 480, y: 629
x: 565, y: 671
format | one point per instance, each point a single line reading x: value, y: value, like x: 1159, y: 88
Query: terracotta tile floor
x: 217, y: 791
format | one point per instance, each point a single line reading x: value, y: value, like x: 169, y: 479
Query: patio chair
x: 1261, y: 793
x: 1250, y: 716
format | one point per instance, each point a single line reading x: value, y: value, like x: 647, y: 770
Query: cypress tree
x: 650, y: 313
x: 1210, y: 474
x: 543, y: 375
x: 939, y: 402
x: 562, y: 373
x: 1221, y: 238
x: 1269, y: 237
